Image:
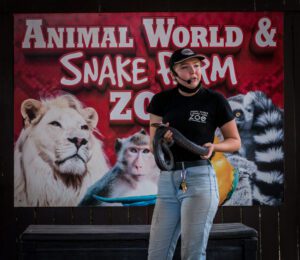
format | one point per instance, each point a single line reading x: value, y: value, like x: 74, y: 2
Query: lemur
x: 260, y: 124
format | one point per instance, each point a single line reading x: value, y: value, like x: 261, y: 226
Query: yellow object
x: 225, y: 174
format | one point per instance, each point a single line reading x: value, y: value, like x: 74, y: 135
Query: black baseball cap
x: 183, y: 54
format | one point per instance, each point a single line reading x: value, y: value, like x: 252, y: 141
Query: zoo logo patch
x: 198, y: 116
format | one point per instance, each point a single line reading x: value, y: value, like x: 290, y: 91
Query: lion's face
x: 62, y: 136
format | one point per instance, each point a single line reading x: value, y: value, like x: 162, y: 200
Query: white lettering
x: 159, y: 32
x: 55, y: 37
x: 163, y: 69
x: 109, y: 35
x: 34, y: 32
x: 139, y: 105
x: 70, y: 37
x: 90, y: 73
x: 215, y: 40
x: 234, y: 36
x: 219, y: 72
x: 199, y: 35
x: 125, y: 42
x: 181, y: 37
x: 121, y: 72
x: 107, y: 72
x: 160, y: 35
x: 136, y: 70
x: 88, y: 37
x: 66, y: 62
x: 118, y: 112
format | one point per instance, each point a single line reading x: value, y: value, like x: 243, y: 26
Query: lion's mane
x: 56, y: 156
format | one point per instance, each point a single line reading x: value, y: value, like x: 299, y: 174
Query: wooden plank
x: 44, y: 215
x: 7, y: 223
x: 82, y: 215
x: 294, y: 192
x: 288, y: 230
x: 53, y: 215
x: 251, y: 217
x: 62, y: 216
x: 138, y: 215
x: 23, y: 218
x: 150, y: 210
x: 8, y: 228
x: 101, y: 216
x: 292, y: 5
x: 263, y: 5
x: 135, y: 6
x: 269, y: 233
x: 50, y: 6
x: 119, y: 215
x: 226, y: 241
x: 219, y: 231
x: 219, y: 215
x: 148, y: 6
x: 55, y: 6
x: 231, y: 214
x: 213, y: 5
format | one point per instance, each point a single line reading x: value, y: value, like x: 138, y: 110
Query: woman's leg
x: 165, y: 226
x: 198, y: 209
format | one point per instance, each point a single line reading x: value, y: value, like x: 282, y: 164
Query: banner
x: 82, y: 83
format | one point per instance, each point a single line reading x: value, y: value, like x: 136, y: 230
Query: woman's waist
x: 179, y: 165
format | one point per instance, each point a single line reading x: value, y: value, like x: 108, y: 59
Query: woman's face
x: 189, y: 70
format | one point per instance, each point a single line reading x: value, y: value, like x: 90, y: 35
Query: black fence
x: 278, y: 227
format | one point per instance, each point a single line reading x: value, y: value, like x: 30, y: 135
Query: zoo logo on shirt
x: 198, y: 116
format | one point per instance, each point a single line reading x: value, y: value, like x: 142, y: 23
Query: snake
x: 161, y: 148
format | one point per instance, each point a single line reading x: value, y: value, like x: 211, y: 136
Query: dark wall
x: 278, y: 227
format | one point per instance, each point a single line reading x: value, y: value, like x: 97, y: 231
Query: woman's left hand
x: 211, y: 149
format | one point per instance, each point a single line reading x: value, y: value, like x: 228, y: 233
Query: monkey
x: 134, y: 173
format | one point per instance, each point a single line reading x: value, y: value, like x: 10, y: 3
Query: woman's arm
x: 153, y: 119
x: 231, y: 142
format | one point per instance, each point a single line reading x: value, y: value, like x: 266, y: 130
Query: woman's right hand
x: 168, y: 135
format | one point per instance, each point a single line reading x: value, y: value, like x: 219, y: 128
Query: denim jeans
x: 189, y: 213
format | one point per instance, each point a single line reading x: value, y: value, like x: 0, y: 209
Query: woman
x: 188, y: 196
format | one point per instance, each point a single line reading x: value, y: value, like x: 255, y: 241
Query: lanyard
x: 183, y: 173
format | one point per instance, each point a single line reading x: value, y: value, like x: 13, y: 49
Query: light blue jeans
x: 190, y: 213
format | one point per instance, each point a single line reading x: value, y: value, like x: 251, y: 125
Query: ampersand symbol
x: 265, y: 37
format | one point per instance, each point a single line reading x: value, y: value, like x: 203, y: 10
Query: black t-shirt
x: 196, y: 117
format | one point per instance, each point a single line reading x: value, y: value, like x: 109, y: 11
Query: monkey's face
x: 140, y: 160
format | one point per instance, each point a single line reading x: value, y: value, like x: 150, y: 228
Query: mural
x: 82, y: 85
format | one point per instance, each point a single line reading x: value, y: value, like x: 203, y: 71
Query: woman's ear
x: 173, y: 75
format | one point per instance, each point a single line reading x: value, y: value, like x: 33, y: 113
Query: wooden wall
x: 278, y: 227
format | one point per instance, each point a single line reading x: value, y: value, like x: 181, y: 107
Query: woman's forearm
x: 229, y: 145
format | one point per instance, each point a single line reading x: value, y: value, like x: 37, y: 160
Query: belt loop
x: 182, y: 165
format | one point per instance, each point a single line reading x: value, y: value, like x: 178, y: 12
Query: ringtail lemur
x: 260, y: 124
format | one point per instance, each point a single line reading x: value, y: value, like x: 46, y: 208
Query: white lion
x: 56, y: 155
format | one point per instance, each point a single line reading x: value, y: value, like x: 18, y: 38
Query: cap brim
x: 200, y: 57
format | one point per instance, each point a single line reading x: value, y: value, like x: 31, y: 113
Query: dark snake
x: 161, y: 148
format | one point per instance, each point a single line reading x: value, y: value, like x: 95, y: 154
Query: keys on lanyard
x: 183, y: 185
